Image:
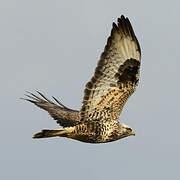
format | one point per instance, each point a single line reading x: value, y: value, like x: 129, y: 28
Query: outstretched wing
x: 65, y: 117
x: 116, y: 75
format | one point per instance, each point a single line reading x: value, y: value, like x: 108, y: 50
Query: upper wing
x: 116, y: 75
x: 65, y: 117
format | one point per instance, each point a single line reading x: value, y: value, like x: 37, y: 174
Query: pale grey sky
x: 53, y: 46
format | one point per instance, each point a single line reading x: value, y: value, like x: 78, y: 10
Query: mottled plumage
x: 115, y: 79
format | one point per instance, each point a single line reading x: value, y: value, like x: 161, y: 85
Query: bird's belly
x: 96, y: 133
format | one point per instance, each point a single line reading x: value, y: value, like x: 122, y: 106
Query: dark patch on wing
x: 128, y: 72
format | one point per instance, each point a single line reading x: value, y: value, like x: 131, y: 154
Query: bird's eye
x: 129, y: 129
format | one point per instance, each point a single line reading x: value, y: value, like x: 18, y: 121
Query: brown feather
x: 65, y: 117
x: 116, y: 75
x: 115, y: 79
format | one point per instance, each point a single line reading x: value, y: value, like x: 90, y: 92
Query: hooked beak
x: 132, y: 133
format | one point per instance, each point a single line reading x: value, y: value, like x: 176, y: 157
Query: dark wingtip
x: 57, y: 101
x: 42, y: 95
x: 125, y: 24
x: 29, y: 100
x: 123, y: 17
x: 35, y: 99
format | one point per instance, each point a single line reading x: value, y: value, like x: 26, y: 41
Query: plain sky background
x: 53, y: 46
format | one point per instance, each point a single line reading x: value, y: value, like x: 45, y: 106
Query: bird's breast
x: 95, y: 132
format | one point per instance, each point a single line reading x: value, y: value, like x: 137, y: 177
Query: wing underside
x: 116, y: 75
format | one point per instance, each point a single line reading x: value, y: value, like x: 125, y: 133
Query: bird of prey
x: 115, y: 79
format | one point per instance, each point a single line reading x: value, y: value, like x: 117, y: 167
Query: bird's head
x: 126, y: 130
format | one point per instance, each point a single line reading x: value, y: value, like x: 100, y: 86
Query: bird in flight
x: 115, y: 78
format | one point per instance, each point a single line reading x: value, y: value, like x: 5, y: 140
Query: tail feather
x: 46, y: 133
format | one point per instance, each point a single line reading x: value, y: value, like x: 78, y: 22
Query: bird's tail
x: 46, y: 133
